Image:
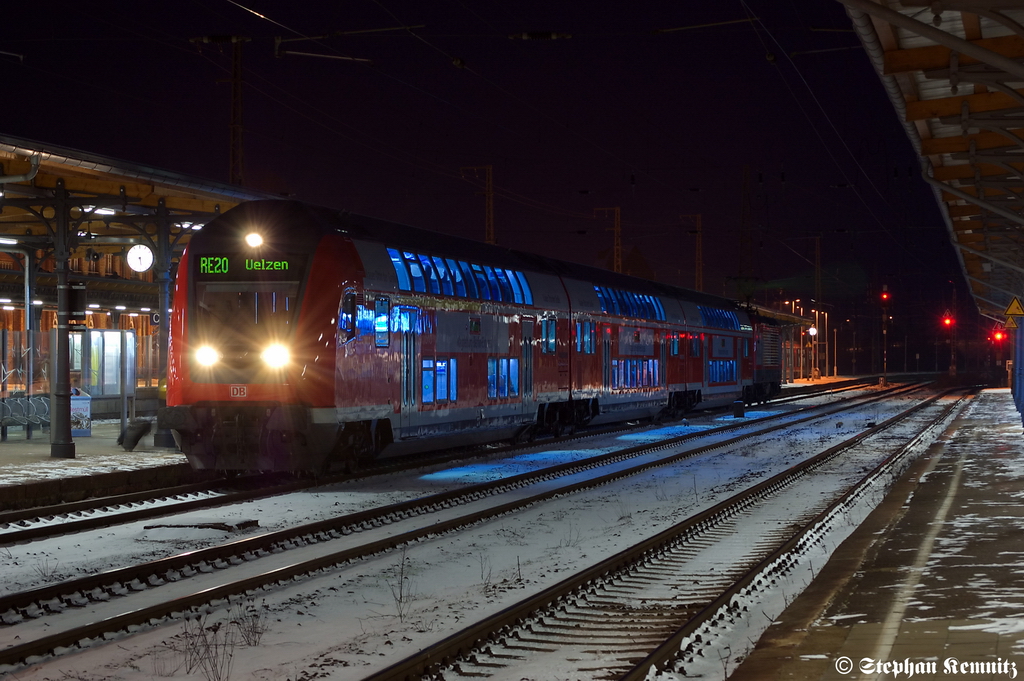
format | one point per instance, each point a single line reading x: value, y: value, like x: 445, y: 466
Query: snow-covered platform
x: 930, y: 585
x: 101, y: 466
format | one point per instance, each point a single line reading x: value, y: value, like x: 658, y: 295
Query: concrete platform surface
x: 930, y: 586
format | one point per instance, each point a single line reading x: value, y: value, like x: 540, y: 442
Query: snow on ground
x: 359, y: 618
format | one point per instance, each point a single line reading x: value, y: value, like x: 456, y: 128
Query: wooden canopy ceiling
x: 954, y: 72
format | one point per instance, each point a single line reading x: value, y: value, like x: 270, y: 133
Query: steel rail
x: 466, y: 641
x: 782, y: 558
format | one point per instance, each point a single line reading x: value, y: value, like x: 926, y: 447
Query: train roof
x: 285, y: 214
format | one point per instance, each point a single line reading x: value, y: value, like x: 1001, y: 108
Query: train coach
x: 307, y: 339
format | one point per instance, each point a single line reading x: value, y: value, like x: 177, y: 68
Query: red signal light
x: 998, y: 336
x: 947, y: 321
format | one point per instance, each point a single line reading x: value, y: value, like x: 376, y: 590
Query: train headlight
x: 276, y: 356
x: 207, y: 356
x: 254, y: 239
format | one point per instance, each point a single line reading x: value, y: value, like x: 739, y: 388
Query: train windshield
x: 252, y: 310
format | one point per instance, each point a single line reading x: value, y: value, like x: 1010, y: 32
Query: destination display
x: 241, y: 267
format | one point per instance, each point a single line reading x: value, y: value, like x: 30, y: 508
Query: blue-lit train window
x: 585, y: 337
x: 695, y: 347
x: 661, y: 309
x: 467, y: 275
x: 513, y: 377
x: 675, y: 346
x: 441, y: 379
x: 403, y: 274
x: 416, y: 271
x: 492, y: 280
x: 442, y: 274
x: 503, y: 377
x: 492, y: 377
x: 482, y: 287
x: 547, y: 336
x: 513, y: 282
x: 428, y: 381
x: 430, y: 275
x: 381, y: 312
x: 458, y: 282
x: 453, y: 380
x: 527, y: 291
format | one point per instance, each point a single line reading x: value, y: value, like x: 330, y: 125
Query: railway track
x: 94, y: 591
x: 659, y: 604
x: 52, y: 521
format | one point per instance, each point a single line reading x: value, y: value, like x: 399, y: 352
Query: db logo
x: 238, y: 391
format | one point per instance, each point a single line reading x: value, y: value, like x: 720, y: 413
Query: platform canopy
x: 57, y: 199
x: 954, y: 72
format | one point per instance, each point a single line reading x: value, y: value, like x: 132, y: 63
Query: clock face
x: 140, y: 257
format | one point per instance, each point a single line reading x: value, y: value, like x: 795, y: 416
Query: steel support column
x: 62, y: 446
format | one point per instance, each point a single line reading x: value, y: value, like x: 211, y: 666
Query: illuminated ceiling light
x: 133, y: 314
x: 9, y: 307
x: 5, y: 300
x: 253, y: 239
x: 105, y: 211
x: 144, y: 309
x: 94, y: 305
x: 120, y: 307
x: 37, y: 302
x: 9, y: 242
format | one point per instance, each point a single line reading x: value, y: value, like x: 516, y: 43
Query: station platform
x: 930, y: 585
x: 101, y: 467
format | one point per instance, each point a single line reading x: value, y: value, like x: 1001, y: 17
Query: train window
x: 503, y: 377
x: 586, y: 333
x: 347, y: 319
x: 547, y: 336
x: 467, y: 273
x: 492, y: 279
x: 660, y: 308
x: 492, y: 377
x: 507, y: 294
x: 381, y: 313
x: 442, y: 274
x: 401, y: 272
x: 675, y: 346
x: 458, y: 282
x: 527, y: 293
x: 513, y: 377
x: 416, y: 271
x: 695, y: 347
x: 482, y: 287
x: 746, y: 348
x: 441, y: 379
x: 427, y: 381
x: 430, y: 275
x: 453, y: 380
x: 513, y: 282
x: 722, y: 319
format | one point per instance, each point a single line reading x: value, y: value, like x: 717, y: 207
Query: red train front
x: 251, y: 358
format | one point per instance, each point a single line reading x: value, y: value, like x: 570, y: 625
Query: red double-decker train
x: 307, y: 339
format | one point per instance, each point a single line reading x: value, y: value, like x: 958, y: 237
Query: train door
x: 527, y: 365
x: 606, y: 359
x: 407, y: 323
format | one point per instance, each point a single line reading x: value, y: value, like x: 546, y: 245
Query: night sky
x: 623, y: 113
